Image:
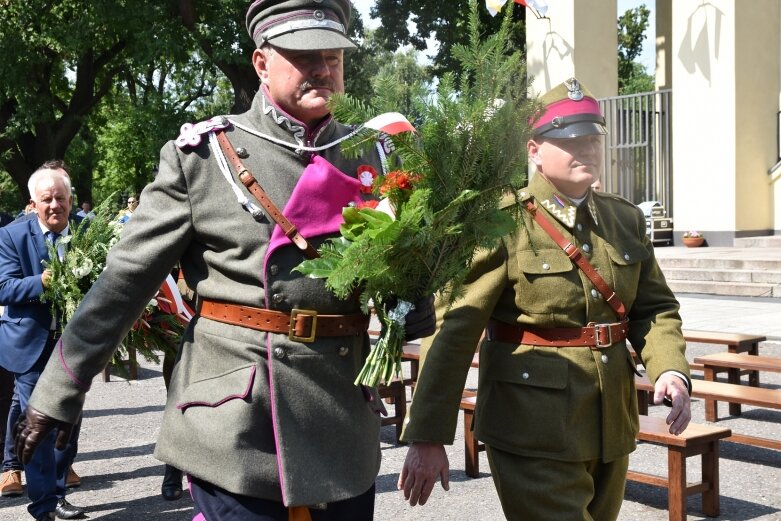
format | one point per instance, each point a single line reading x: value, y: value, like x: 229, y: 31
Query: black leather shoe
x: 172, y: 484
x: 65, y: 510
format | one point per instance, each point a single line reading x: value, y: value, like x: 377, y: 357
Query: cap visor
x: 583, y: 128
x: 312, y: 40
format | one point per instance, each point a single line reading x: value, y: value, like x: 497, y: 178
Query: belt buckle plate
x: 292, y: 331
x: 598, y: 329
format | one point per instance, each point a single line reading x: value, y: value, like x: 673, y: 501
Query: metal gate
x: 638, y: 148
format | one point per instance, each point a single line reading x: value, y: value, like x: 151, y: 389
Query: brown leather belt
x: 595, y: 336
x: 301, y: 325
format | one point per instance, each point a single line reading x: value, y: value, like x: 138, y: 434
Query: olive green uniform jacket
x: 254, y: 413
x: 569, y: 404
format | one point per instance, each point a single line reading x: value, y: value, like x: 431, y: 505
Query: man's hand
x: 421, y: 321
x: 46, y: 278
x: 424, y: 463
x: 32, y: 428
x: 672, y: 387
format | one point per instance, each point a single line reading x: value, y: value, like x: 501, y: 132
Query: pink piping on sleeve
x: 85, y: 387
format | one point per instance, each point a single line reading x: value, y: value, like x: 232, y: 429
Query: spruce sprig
x: 467, y: 154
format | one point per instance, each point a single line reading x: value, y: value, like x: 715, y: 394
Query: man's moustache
x: 314, y: 84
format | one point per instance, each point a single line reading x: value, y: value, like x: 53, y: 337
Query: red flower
x: 368, y: 204
x: 398, y: 180
x: 366, y: 175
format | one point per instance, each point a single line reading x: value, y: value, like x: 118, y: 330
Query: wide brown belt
x: 301, y: 325
x: 595, y: 336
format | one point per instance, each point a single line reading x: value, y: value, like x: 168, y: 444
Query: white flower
x: 80, y: 272
x: 153, y: 303
x: 64, y: 240
x: 386, y: 207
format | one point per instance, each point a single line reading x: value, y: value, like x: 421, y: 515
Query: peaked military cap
x: 569, y: 110
x: 300, y: 25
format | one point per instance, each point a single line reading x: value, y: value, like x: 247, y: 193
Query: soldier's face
x: 570, y: 164
x: 52, y: 203
x: 301, y: 82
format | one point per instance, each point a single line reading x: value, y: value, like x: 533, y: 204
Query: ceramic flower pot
x: 693, y: 242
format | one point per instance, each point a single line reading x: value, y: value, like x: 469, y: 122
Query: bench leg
x: 132, y: 363
x: 676, y: 490
x: 710, y: 477
x: 107, y: 373
x: 471, y: 448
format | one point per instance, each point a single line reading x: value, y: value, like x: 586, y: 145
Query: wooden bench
x: 735, y: 342
x: 714, y: 392
x: 411, y: 354
x: 395, y: 393
x: 702, y: 440
x: 735, y: 364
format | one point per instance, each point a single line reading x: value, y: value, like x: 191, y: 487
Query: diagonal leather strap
x: 576, y: 256
x: 248, y: 180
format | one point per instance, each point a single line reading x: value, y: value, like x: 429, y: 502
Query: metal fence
x: 638, y: 148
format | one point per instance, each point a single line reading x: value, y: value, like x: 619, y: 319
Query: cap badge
x: 573, y: 89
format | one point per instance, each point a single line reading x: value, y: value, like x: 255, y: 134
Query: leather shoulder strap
x: 274, y: 213
x: 576, y: 256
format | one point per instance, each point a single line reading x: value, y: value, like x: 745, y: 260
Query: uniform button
x: 626, y: 256
x: 277, y: 298
x: 242, y: 153
x: 343, y: 351
x: 604, y: 359
x: 594, y: 293
x: 319, y: 15
x: 279, y: 352
x: 580, y: 227
x: 525, y: 376
x: 546, y: 266
x: 586, y: 248
x: 273, y: 269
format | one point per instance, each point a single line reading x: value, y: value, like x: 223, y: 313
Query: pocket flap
x: 214, y: 391
x: 544, y: 262
x: 532, y: 369
x: 630, y: 253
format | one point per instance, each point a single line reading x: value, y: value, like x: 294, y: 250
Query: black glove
x: 32, y: 428
x: 421, y: 321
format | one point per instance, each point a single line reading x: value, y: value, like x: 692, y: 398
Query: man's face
x: 301, y: 82
x: 132, y: 203
x: 86, y: 207
x: 570, y: 164
x: 52, y: 203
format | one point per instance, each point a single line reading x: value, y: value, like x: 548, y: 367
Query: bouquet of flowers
x: 73, y: 275
x: 468, y: 152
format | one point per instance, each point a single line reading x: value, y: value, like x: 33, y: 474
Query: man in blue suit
x: 28, y: 331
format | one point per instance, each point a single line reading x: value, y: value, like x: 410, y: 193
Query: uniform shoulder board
x: 190, y: 135
x: 512, y: 198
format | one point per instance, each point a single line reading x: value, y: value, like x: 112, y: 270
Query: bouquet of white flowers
x: 72, y: 276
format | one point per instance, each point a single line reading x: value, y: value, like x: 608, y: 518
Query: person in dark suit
x: 28, y: 331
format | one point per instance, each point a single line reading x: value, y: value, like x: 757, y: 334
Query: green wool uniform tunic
x: 252, y: 412
x: 567, y: 404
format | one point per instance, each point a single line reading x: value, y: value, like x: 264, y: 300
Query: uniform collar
x: 558, y: 204
x: 267, y: 117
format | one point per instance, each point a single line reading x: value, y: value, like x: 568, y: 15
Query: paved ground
x: 121, y: 479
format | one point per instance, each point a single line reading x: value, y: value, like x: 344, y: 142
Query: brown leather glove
x: 421, y: 321
x: 32, y: 428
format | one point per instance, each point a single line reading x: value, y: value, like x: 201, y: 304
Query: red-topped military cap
x: 300, y: 25
x: 569, y: 110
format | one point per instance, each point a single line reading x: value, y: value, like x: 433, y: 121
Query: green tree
x: 447, y: 25
x: 632, y: 76
x: 52, y: 75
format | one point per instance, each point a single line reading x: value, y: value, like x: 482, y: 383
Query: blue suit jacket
x: 25, y: 324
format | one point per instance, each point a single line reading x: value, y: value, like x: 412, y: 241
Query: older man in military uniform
x: 556, y: 405
x: 262, y: 412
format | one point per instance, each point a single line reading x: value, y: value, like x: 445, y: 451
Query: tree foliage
x: 447, y: 24
x: 631, y: 33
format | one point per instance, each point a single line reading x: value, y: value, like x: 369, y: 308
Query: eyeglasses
x: 130, y: 201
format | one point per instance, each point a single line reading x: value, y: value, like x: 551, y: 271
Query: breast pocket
x: 526, y: 403
x: 547, y: 283
x: 626, y: 262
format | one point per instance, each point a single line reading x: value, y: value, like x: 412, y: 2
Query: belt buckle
x: 599, y: 328
x: 292, y: 331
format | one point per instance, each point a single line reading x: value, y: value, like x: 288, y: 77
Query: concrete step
x: 766, y: 241
x: 724, y: 275
x: 746, y: 289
